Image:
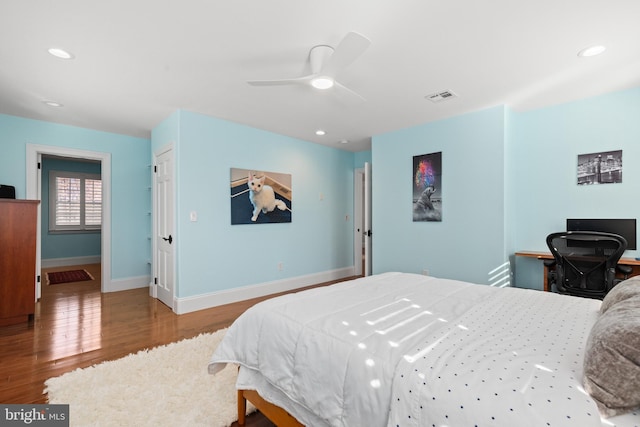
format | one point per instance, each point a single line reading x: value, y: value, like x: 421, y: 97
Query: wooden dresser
x: 18, y: 220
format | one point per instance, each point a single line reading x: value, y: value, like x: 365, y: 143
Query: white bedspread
x: 402, y: 349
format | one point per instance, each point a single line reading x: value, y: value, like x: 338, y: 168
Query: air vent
x: 441, y: 96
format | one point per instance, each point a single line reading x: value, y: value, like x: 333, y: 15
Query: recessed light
x: 591, y: 51
x: 60, y: 53
x: 320, y: 132
x: 53, y: 104
x: 344, y: 141
x: 322, y: 82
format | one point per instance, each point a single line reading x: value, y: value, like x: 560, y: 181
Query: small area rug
x: 164, y: 386
x: 57, y: 277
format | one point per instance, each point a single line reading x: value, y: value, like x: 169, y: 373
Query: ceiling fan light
x: 60, y: 53
x: 591, y: 51
x: 322, y: 82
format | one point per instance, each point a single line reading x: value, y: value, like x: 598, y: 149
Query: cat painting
x: 262, y: 197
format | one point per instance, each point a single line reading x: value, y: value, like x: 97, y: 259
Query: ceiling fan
x: 326, y: 63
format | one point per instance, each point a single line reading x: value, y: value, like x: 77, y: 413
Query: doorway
x: 34, y: 156
x: 70, y: 202
x: 362, y: 235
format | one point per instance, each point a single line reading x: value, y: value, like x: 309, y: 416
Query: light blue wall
x: 212, y: 254
x: 509, y: 180
x: 547, y: 143
x: 469, y: 242
x: 65, y: 245
x: 168, y: 131
x: 130, y: 204
x: 360, y: 158
x: 510, y: 193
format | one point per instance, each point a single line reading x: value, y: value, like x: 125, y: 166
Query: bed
x: 399, y: 349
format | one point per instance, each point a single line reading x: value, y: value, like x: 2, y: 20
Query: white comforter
x: 402, y: 349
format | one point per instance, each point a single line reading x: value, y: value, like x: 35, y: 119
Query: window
x: 75, y: 201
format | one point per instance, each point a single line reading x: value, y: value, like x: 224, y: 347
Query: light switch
x: 193, y: 216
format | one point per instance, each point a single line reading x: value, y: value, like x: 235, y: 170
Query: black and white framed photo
x: 427, y: 187
x: 260, y: 197
x: 600, y: 168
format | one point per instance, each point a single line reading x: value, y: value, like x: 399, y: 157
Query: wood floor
x: 76, y: 326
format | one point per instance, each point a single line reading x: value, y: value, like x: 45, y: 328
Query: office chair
x: 585, y: 262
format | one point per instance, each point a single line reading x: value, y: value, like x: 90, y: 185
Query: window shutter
x: 92, y: 202
x: 68, y: 201
x: 75, y: 201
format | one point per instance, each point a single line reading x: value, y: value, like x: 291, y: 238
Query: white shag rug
x: 164, y: 386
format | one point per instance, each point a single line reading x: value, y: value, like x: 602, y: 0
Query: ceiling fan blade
x: 353, y: 95
x: 280, y: 82
x: 350, y: 48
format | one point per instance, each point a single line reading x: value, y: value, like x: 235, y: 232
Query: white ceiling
x: 137, y: 61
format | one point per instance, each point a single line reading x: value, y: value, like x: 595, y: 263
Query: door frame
x: 361, y: 209
x: 153, y: 288
x: 34, y: 153
x: 368, y: 241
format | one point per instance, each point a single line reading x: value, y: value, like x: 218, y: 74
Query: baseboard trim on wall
x: 228, y: 296
x: 64, y: 262
x: 117, y: 285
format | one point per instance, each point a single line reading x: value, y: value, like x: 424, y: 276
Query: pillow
x: 621, y: 292
x: 612, y: 359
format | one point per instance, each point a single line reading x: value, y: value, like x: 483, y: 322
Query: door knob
x: 169, y: 239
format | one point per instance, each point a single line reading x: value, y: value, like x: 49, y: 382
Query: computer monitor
x: 623, y: 227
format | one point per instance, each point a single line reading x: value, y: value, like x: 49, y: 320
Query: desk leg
x: 545, y: 280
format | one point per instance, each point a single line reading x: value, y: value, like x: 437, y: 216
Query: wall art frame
x: 427, y: 187
x: 259, y: 197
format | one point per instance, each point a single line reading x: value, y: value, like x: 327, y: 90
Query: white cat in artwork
x: 262, y: 197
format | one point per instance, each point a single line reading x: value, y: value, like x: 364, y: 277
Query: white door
x: 164, y: 233
x: 358, y: 222
x: 367, y: 219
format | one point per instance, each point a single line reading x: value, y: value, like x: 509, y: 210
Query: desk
x: 635, y: 264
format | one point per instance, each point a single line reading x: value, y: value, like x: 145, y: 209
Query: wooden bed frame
x: 276, y: 414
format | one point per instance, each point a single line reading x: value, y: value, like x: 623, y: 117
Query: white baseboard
x: 65, y: 262
x: 227, y: 296
x: 127, y: 284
